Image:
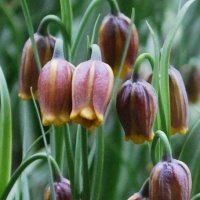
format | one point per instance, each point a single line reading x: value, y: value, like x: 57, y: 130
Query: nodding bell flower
x: 62, y: 190
x: 29, y: 71
x: 178, y: 102
x: 54, y: 92
x: 92, y: 87
x: 136, y: 107
x: 170, y: 180
x: 112, y: 38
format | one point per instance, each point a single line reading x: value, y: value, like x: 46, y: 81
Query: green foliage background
x: 126, y: 165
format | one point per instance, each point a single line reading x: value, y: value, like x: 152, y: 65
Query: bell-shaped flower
x: 178, y: 102
x: 136, y: 107
x: 112, y: 38
x: 92, y: 87
x: 54, y: 91
x: 62, y: 190
x: 170, y: 180
x: 29, y: 72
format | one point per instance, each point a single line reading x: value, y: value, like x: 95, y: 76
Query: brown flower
x: 170, y: 180
x: 29, y: 72
x: 136, y: 107
x: 112, y: 38
x: 91, y: 92
x: 54, y: 91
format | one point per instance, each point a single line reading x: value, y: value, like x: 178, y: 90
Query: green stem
x: 31, y: 32
x: 82, y: 25
x: 114, y: 6
x: 53, y: 196
x: 59, y: 144
x: 58, y: 50
x: 43, y: 29
x: 70, y: 158
x: 98, y: 169
x: 96, y: 52
x: 77, y: 165
x: 167, y: 153
x: 196, y: 197
x: 25, y: 164
x: 138, y: 62
x: 86, y: 187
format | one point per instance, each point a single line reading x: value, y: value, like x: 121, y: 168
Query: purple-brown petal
x: 29, y: 72
x: 54, y: 91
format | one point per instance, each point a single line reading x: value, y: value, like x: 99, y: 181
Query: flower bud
x: 62, y: 190
x: 136, y: 108
x: 178, y: 102
x: 112, y: 38
x: 92, y: 87
x: 54, y: 92
x: 29, y: 71
x: 170, y: 180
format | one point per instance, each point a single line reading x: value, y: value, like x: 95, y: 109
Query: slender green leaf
x: 78, y: 166
x: 5, y: 134
x: 164, y: 66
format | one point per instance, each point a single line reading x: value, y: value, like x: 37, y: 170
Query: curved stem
x: 43, y: 29
x: 96, y: 52
x: 167, y: 153
x: 26, y: 163
x: 114, y: 6
x: 58, y: 50
x: 138, y: 62
x: 82, y: 25
x: 99, y: 160
x: 46, y: 148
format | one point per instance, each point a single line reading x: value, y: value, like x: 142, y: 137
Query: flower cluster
x: 66, y: 93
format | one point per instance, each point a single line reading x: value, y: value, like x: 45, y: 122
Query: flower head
x: 92, y: 86
x: 112, y: 38
x: 29, y: 72
x: 178, y: 102
x: 136, y: 107
x: 62, y: 190
x: 54, y: 91
x: 170, y: 180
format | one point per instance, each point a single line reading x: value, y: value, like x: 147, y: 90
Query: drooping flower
x: 112, y: 38
x: 92, y: 86
x: 29, y: 72
x: 54, y: 92
x: 170, y: 180
x: 62, y: 190
x: 178, y: 102
x: 136, y: 107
